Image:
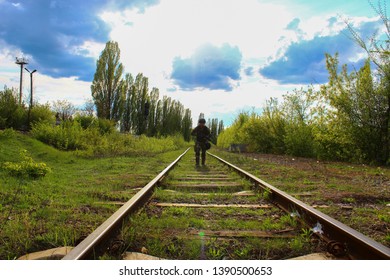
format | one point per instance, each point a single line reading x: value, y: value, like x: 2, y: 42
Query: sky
x: 218, y: 57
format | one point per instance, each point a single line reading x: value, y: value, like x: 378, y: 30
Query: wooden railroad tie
x: 195, y: 205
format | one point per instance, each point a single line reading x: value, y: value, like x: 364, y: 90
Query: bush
x: 7, y: 133
x: 259, y: 132
x: 67, y: 136
x: 225, y: 138
x: 85, y: 121
x: 106, y: 126
x: 41, y: 113
x: 12, y: 115
x: 299, y: 140
x: 27, y: 167
x: 258, y: 135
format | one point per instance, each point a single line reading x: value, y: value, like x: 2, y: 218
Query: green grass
x: 64, y: 206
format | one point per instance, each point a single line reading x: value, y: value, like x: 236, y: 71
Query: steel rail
x: 87, y: 246
x: 340, y: 237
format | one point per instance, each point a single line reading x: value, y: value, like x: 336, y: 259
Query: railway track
x: 220, y: 212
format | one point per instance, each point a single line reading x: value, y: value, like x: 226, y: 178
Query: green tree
x: 129, y: 106
x: 221, y: 127
x: 361, y: 110
x: 213, y: 125
x: 299, y: 140
x: 107, y: 86
x: 152, y: 112
x: 142, y: 104
x: 275, y: 124
x: 11, y: 113
x: 187, y: 125
x: 378, y: 50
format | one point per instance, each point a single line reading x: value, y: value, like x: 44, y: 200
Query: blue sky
x: 217, y: 57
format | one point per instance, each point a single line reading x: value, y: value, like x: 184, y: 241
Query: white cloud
x: 46, y: 89
x: 88, y: 49
x: 177, y: 28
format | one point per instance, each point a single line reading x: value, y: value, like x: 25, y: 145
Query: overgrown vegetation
x: 355, y: 194
x: 66, y: 204
x: 100, y: 139
x: 346, y: 119
x: 14, y: 114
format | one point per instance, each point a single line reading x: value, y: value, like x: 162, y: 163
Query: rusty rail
x: 99, y: 235
x: 341, y: 238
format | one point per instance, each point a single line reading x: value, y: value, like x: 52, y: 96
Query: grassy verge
x: 66, y: 205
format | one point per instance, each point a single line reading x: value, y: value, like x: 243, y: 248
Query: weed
x: 306, y: 234
x: 214, y: 253
x: 297, y: 244
x: 349, y: 200
x: 196, y: 223
x: 192, y: 248
x: 288, y: 220
x: 269, y: 224
x: 178, y: 211
x: 242, y: 253
x: 267, y: 194
x: 384, y: 218
x: 308, y: 182
x: 173, y: 249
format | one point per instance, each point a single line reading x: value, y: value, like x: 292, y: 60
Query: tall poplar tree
x: 107, y: 86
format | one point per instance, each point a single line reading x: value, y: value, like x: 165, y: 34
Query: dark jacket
x: 202, y: 133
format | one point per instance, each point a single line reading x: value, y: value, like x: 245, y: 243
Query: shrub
x: 67, y: 136
x: 41, y: 113
x: 85, y: 121
x: 7, y: 133
x: 27, y: 167
x: 11, y: 113
x: 299, y: 140
x: 106, y: 126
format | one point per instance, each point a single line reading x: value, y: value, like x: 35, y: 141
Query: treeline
x: 346, y: 119
x: 130, y: 103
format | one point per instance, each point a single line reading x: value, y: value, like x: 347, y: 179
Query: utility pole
x: 31, y: 86
x: 21, y: 61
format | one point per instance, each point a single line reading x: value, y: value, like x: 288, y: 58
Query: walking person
x: 202, y: 133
